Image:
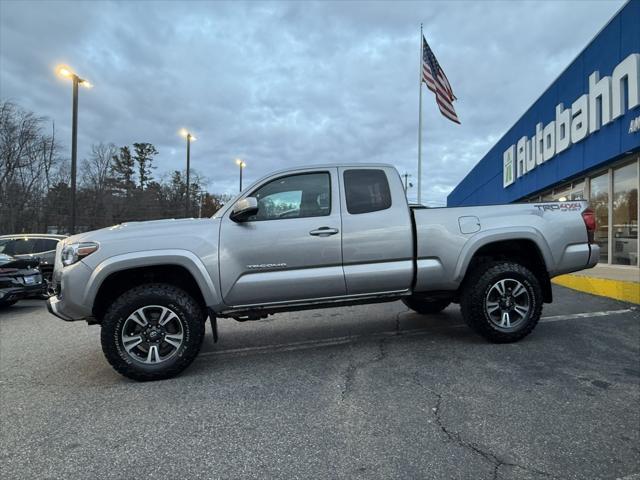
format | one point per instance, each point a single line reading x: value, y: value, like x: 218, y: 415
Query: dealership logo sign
x: 634, y: 126
x: 604, y: 103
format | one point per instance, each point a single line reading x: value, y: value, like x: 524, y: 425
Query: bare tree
x: 27, y: 157
x: 96, y: 185
x: 96, y: 170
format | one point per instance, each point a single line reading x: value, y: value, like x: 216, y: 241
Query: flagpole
x: 420, y: 124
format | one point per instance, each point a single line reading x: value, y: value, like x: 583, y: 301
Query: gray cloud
x: 283, y: 84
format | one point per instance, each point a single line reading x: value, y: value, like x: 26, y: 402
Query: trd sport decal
x: 562, y: 207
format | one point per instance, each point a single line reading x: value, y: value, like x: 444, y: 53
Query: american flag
x: 437, y: 82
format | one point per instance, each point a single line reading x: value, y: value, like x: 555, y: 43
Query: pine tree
x: 143, y: 157
x: 123, y: 172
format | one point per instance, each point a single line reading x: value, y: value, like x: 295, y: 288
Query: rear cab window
x: 367, y: 190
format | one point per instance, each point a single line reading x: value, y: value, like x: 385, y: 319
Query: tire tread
x: 177, y: 295
x: 472, y: 300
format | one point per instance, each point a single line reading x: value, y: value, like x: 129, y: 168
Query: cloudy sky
x: 290, y: 83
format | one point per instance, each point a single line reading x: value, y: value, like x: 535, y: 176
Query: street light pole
x: 406, y: 181
x: 74, y: 154
x: 189, y: 138
x: 68, y: 73
x: 186, y: 202
x: 240, y: 164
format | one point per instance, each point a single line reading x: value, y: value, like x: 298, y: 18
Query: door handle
x: 323, y: 232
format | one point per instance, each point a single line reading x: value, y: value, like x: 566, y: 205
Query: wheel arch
x: 524, y: 250
x: 120, y: 273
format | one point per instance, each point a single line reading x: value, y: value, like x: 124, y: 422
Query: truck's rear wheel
x: 152, y: 332
x: 425, y: 306
x: 502, y: 301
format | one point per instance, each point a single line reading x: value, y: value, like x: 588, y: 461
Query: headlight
x: 77, y: 251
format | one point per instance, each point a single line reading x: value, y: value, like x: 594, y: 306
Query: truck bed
x: 447, y: 238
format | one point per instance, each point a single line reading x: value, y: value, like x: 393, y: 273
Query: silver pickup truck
x: 314, y: 237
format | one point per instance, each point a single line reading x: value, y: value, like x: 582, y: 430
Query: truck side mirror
x: 244, y: 208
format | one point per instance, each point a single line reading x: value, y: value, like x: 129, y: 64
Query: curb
x: 604, y: 287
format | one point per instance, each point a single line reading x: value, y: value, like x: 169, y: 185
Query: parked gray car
x: 314, y: 237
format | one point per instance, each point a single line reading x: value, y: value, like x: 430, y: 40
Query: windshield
x: 3, y: 244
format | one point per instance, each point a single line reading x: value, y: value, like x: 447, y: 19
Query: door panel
x: 294, y: 284
x: 291, y: 250
x: 377, y: 239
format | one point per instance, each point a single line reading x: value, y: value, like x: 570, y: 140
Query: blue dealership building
x: 579, y: 140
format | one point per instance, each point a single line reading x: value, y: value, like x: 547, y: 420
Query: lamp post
x: 406, y: 182
x: 240, y: 164
x: 66, y: 72
x: 189, y: 138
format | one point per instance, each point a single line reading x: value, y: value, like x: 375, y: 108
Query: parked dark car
x: 33, y: 245
x: 19, y: 278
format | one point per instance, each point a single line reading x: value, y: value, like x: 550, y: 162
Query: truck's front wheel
x: 152, y: 331
x: 502, y: 301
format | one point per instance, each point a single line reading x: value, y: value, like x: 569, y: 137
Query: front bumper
x: 54, y: 307
x: 68, y: 311
x: 69, y: 301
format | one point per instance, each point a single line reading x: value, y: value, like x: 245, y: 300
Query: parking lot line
x: 557, y: 318
x: 333, y: 341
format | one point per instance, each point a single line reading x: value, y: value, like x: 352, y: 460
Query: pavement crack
x: 382, y: 353
x: 521, y: 467
x: 457, y: 438
x: 349, y: 373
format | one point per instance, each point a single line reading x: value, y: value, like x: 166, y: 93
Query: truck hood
x: 172, y: 227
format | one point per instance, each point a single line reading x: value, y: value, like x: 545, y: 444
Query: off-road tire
x: 425, y: 306
x: 476, y: 289
x: 189, y: 311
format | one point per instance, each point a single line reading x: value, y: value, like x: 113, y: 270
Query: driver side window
x: 294, y: 196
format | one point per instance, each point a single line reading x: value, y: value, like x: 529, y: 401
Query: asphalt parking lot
x: 359, y: 392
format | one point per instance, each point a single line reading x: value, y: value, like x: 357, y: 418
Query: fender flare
x: 150, y: 258
x: 487, y: 237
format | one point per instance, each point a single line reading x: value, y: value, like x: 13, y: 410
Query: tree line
x: 115, y: 184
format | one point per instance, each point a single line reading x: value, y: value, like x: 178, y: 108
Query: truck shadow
x: 330, y: 329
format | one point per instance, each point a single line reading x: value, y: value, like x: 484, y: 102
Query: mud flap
x: 214, y: 325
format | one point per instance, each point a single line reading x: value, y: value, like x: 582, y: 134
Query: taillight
x: 589, y: 217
